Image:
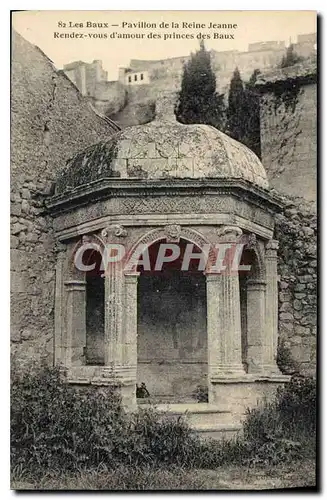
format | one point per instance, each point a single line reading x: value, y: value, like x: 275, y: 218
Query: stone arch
x: 92, y: 239
x: 252, y: 245
x: 171, y: 233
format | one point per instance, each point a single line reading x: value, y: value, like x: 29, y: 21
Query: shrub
x: 201, y: 394
x: 284, y: 429
x: 284, y: 360
x: 55, y: 425
x: 58, y: 427
x: 296, y: 404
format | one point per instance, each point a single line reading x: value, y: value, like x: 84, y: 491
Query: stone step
x: 156, y: 400
x: 196, y: 413
x: 218, y: 431
x: 206, y: 420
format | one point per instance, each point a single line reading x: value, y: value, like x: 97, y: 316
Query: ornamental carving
x: 116, y: 230
x: 250, y: 241
x: 173, y: 233
x: 229, y: 233
x: 271, y: 249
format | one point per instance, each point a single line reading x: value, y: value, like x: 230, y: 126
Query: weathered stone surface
x: 288, y: 122
x: 40, y: 96
x: 296, y: 228
x: 164, y: 149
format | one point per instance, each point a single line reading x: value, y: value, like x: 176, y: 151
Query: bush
x: 284, y: 429
x: 296, y: 404
x: 58, y: 426
x: 201, y: 394
x: 284, y: 360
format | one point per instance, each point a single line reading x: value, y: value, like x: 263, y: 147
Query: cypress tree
x: 252, y: 134
x: 237, y: 108
x: 243, y: 113
x: 198, y: 100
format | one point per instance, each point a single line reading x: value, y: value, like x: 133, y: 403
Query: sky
x: 41, y: 27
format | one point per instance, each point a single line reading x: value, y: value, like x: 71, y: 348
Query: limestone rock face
x: 161, y: 149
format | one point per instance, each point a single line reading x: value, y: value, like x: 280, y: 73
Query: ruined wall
x: 288, y: 123
x: 296, y: 230
x: 50, y: 121
x: 109, y: 97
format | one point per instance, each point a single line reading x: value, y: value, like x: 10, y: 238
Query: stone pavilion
x: 175, y: 330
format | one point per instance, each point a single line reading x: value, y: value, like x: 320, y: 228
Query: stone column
x: 256, y: 331
x: 60, y: 313
x: 113, y: 316
x: 271, y: 306
x: 75, y: 339
x: 130, y: 329
x: 224, y: 317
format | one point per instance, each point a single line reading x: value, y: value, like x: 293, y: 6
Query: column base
x: 237, y: 395
x: 269, y: 370
x: 226, y: 371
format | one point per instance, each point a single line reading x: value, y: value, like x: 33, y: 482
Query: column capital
x: 131, y: 277
x: 229, y: 234
x: 75, y: 285
x: 272, y: 247
x: 113, y: 232
x: 256, y: 284
x: 210, y: 276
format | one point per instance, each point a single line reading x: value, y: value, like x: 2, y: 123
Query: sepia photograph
x: 163, y: 250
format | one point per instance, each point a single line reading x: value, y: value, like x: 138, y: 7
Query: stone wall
x: 172, y: 339
x: 288, y: 124
x: 50, y: 121
x: 297, y: 267
x: 109, y: 97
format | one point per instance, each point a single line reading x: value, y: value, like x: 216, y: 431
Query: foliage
x: 58, y: 428
x: 201, y: 394
x: 56, y: 425
x: 284, y: 429
x: 243, y: 113
x: 237, y: 107
x: 284, y: 359
x: 198, y: 100
x: 290, y: 58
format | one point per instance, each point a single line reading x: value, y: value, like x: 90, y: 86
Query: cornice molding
x: 122, y: 188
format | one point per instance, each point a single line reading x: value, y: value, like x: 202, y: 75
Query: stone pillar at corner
x: 271, y: 307
x: 75, y: 341
x: 114, y: 288
x: 257, y: 342
x: 224, y: 316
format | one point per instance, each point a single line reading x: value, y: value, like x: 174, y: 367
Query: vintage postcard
x: 163, y: 250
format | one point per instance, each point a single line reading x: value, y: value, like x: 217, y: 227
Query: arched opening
x: 94, y: 352
x: 172, y: 335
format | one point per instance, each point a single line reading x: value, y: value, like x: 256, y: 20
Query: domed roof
x: 164, y: 149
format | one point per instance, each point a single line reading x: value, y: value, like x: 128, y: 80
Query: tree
x: 243, y: 113
x: 290, y: 58
x: 198, y: 100
x: 252, y: 135
x: 237, y: 108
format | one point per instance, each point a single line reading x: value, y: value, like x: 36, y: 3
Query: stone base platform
x: 207, y: 420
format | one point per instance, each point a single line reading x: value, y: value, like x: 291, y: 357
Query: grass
x: 69, y: 439
x: 293, y: 475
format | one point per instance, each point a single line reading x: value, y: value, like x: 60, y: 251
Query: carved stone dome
x: 164, y: 149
